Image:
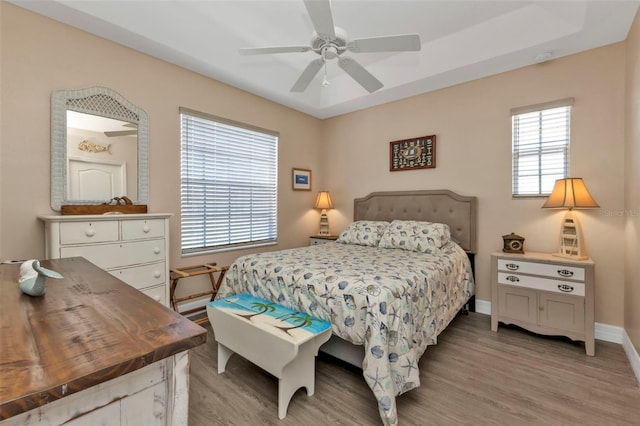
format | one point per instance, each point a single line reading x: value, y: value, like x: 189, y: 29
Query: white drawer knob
x: 157, y: 274
x: 90, y: 232
x: 156, y: 298
x: 156, y: 250
x: 146, y: 229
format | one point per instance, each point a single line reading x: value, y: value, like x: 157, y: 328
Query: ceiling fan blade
x: 307, y: 75
x: 321, y: 18
x: 273, y: 49
x: 392, y: 43
x: 120, y: 133
x: 359, y: 74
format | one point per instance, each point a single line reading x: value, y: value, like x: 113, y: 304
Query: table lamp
x: 570, y: 193
x: 323, y: 201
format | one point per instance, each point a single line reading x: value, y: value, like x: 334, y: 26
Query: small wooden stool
x: 192, y: 271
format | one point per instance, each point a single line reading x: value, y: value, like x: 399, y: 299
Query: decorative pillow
x: 413, y: 235
x: 363, y: 233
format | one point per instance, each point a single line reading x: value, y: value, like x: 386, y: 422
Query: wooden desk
x: 92, y: 344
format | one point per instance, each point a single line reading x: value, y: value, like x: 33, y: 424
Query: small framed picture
x: 301, y: 179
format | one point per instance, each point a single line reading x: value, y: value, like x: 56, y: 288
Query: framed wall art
x: 412, y: 154
x: 301, y: 179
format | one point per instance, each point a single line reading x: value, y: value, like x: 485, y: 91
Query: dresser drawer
x: 142, y: 229
x: 110, y: 256
x: 545, y: 284
x: 88, y: 232
x: 157, y: 293
x: 546, y: 269
x: 142, y: 276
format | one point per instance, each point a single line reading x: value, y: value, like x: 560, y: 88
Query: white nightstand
x: 314, y: 240
x: 544, y: 294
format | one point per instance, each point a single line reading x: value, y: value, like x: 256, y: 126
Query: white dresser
x: 131, y: 247
x: 544, y: 294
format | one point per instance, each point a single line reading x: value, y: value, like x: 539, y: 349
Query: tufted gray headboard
x: 441, y: 205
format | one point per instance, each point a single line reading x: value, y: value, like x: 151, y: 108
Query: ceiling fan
x: 331, y: 42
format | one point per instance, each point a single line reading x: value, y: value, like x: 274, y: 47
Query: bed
x: 382, y: 290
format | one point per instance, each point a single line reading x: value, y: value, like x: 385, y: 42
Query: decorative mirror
x: 99, y: 149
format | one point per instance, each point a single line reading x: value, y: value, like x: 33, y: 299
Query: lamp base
x: 324, y: 223
x: 571, y: 241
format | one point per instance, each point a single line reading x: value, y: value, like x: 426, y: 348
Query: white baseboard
x: 632, y: 354
x: 606, y: 332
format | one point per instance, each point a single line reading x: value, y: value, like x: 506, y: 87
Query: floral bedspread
x: 394, y: 302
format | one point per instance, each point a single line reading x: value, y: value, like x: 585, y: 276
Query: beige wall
x: 40, y: 55
x: 348, y: 154
x: 472, y: 123
x: 632, y: 187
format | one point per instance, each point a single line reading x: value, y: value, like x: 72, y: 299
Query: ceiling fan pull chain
x: 325, y: 82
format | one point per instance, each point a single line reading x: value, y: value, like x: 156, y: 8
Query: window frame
x: 270, y: 215
x: 542, y: 151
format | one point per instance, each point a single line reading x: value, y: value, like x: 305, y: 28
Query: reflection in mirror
x: 99, y: 148
x: 102, y: 157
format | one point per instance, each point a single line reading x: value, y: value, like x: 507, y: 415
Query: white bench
x: 254, y: 329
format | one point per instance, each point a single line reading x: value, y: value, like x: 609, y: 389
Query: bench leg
x: 224, y: 354
x: 298, y: 373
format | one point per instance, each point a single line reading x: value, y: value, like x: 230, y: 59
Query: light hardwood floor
x: 473, y: 376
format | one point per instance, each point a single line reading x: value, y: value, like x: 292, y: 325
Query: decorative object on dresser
x: 513, y: 243
x: 301, y: 179
x: 323, y: 201
x: 570, y: 193
x: 131, y: 247
x: 33, y: 278
x: 315, y: 240
x: 414, y: 153
x: 115, y: 205
x: 544, y: 294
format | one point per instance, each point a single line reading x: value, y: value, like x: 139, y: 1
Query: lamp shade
x: 323, y: 200
x: 570, y: 193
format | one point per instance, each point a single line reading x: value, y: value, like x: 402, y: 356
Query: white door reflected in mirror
x: 96, y: 180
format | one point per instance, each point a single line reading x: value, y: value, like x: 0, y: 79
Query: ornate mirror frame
x: 96, y: 101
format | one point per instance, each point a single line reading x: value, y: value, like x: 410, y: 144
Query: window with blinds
x: 541, y: 136
x: 228, y: 184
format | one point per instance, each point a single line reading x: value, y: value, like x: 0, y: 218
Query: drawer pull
x: 90, y: 232
x: 512, y: 278
x: 157, y: 274
x: 146, y: 229
x: 565, y: 288
x: 565, y: 273
x: 156, y: 250
x: 512, y: 266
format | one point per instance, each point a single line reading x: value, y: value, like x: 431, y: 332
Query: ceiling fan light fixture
x: 331, y: 42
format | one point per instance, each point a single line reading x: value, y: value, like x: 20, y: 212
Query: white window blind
x: 228, y: 184
x: 541, y: 136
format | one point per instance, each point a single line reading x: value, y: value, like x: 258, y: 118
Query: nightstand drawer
x: 548, y: 270
x: 537, y: 283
